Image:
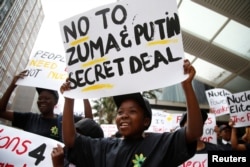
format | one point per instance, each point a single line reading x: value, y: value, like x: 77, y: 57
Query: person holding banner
x: 135, y: 148
x: 234, y: 139
x: 46, y: 123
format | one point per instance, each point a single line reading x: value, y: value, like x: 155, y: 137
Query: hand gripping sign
x: 45, y: 70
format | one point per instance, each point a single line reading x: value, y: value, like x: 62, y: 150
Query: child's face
x: 226, y: 134
x: 130, y: 119
x: 46, y: 102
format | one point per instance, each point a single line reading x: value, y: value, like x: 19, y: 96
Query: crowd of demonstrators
x: 85, y: 126
x: 135, y: 148
x: 46, y: 123
x: 84, y: 140
x: 202, y: 146
x: 245, y: 146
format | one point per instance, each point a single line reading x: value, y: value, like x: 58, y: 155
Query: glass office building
x: 20, y: 21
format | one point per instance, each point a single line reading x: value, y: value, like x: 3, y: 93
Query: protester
x: 202, y: 146
x: 87, y: 127
x: 225, y: 135
x: 46, y: 123
x: 135, y: 149
x: 234, y: 139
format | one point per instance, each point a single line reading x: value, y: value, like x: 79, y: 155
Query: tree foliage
x: 106, y: 108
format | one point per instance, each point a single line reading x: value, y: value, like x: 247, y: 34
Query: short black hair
x: 184, y: 118
x: 88, y: 127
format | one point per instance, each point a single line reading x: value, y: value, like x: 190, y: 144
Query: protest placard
x: 45, y: 70
x: 217, y: 100
x: 159, y: 122
x: 23, y: 149
x: 115, y: 48
x: 209, y: 135
x: 197, y: 160
x: 109, y: 129
x: 239, y: 105
x: 176, y: 118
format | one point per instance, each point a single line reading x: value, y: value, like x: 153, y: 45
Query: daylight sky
x: 49, y: 37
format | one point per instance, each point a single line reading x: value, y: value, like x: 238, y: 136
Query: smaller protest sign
x: 159, y: 122
x: 109, y: 129
x: 197, y: 160
x: 45, y: 70
x: 239, y: 105
x: 209, y: 135
x: 217, y: 100
x: 24, y: 149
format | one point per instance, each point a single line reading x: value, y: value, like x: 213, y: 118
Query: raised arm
x: 4, y: 111
x: 194, y: 127
x: 68, y: 126
x: 87, y: 109
x: 234, y: 140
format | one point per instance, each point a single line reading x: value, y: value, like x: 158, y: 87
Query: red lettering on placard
x: 207, y: 138
x: 14, y: 144
x: 208, y: 121
x: 9, y: 165
x: 194, y: 163
x: 221, y: 110
x: 6, y: 165
x: 237, y: 119
x: 178, y: 119
x: 248, y: 116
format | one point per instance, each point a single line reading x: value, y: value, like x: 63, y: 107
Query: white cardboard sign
x: 23, y: 149
x: 45, y: 70
x: 217, y: 100
x: 239, y: 105
x: 128, y: 46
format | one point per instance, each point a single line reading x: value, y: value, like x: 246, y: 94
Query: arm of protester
x: 87, y: 109
x: 57, y: 156
x: 4, y: 111
x: 194, y: 119
x: 68, y: 126
x: 234, y: 139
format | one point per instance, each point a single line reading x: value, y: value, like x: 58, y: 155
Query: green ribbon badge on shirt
x: 54, y: 130
x: 138, y: 161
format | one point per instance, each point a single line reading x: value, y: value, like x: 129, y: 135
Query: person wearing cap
x: 46, y: 123
x: 85, y: 126
x: 202, y: 146
x: 225, y: 137
x: 135, y: 148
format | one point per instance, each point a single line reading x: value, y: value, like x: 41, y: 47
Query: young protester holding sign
x: 46, y: 123
x: 135, y: 148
